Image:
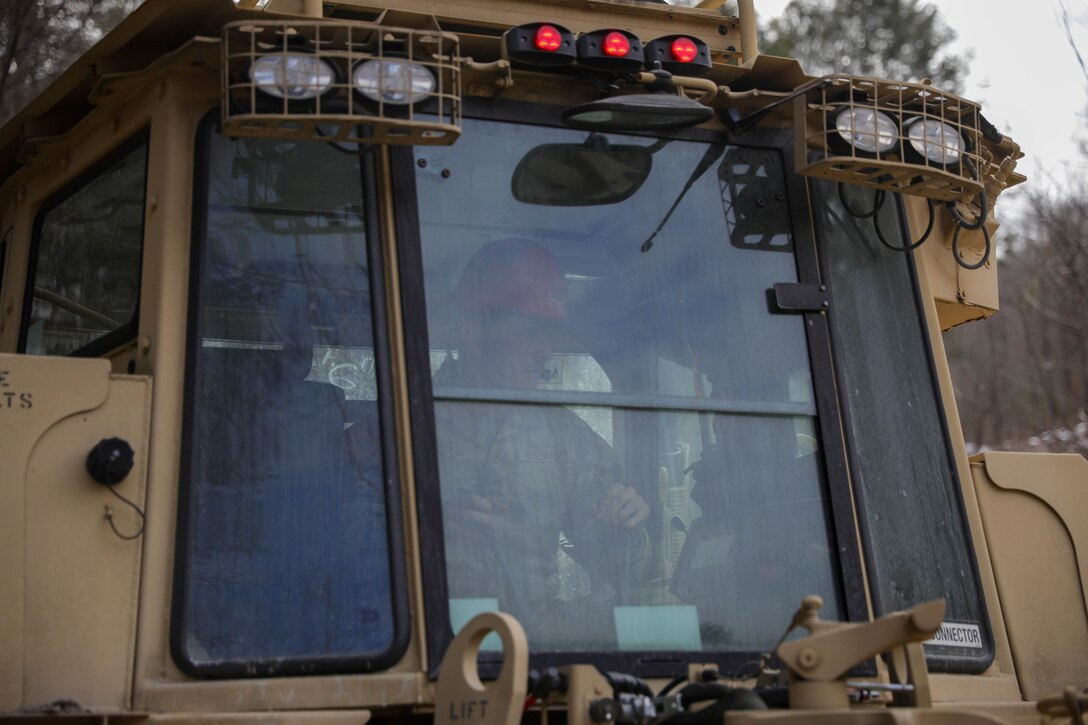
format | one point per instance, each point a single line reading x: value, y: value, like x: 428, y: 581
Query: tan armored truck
x: 490, y: 361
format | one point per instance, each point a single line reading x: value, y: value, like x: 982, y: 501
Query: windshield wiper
x: 712, y: 154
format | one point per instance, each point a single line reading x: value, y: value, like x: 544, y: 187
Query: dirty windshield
x: 626, y: 435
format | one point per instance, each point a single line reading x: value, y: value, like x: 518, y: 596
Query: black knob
x: 110, y: 461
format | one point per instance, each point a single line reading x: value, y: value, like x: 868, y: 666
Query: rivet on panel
x: 145, y: 344
x: 153, y: 202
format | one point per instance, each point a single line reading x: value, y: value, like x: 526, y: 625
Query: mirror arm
x: 738, y: 124
x: 707, y: 88
x: 499, y: 68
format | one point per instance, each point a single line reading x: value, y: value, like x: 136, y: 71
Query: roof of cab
x: 158, y: 27
x: 155, y: 27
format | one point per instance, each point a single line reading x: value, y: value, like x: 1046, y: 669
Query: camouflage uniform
x: 541, y: 468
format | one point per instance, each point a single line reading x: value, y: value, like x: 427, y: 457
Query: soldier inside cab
x: 521, y: 481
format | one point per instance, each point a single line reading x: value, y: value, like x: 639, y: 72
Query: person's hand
x: 475, y: 509
x: 470, y: 516
x: 622, y: 506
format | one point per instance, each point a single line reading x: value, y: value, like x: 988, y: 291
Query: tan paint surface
x: 174, y: 116
x: 461, y: 696
x: 998, y: 683
x: 58, y: 388
x: 417, y: 649
x: 332, y: 717
x: 646, y: 20
x: 80, y: 621
x: 961, y: 295
x: 376, y: 691
x: 1034, y: 507
x: 69, y: 596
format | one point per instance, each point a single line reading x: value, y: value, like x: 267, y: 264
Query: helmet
x: 514, y: 274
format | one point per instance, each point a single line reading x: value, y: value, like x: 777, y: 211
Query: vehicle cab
x: 327, y: 327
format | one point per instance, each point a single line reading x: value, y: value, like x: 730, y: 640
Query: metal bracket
x: 798, y: 297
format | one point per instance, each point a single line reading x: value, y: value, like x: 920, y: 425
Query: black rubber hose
x: 912, y: 245
x: 956, y: 248
x: 878, y: 201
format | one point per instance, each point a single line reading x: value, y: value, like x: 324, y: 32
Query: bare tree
x: 39, y: 39
x: 902, y: 39
x: 1022, y: 377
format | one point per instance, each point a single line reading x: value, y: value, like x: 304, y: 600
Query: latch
x: 798, y: 297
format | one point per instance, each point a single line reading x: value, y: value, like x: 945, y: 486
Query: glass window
x: 918, y: 544
x: 625, y: 433
x: 85, y: 265
x: 286, y: 545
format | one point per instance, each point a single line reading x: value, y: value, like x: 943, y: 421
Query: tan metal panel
x: 35, y: 393
x: 323, y: 717
x: 961, y: 295
x: 648, y: 21
x: 1033, y: 507
x: 377, y: 691
x: 80, y: 618
x: 175, y: 111
x: 998, y: 684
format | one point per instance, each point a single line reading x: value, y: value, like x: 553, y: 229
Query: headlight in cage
x: 865, y: 130
x: 294, y: 76
x: 394, y: 81
x: 933, y: 142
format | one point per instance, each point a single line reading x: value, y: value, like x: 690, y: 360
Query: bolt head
x: 808, y: 658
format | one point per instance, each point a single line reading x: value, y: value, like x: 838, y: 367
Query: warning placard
x: 957, y: 634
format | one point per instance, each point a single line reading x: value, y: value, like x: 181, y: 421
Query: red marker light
x: 683, y: 50
x: 616, y: 45
x: 611, y: 50
x: 540, y: 44
x: 679, y: 54
x: 547, y: 38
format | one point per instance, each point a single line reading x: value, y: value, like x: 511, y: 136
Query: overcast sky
x: 1024, y: 73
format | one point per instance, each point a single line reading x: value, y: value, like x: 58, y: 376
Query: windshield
x: 625, y: 432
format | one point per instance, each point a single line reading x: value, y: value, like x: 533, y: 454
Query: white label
x: 957, y: 634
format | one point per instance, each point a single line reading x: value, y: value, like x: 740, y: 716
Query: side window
x: 918, y: 544
x: 284, y: 541
x: 84, y: 287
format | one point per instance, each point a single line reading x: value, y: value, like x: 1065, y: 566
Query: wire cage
x: 341, y: 112
x: 897, y: 165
